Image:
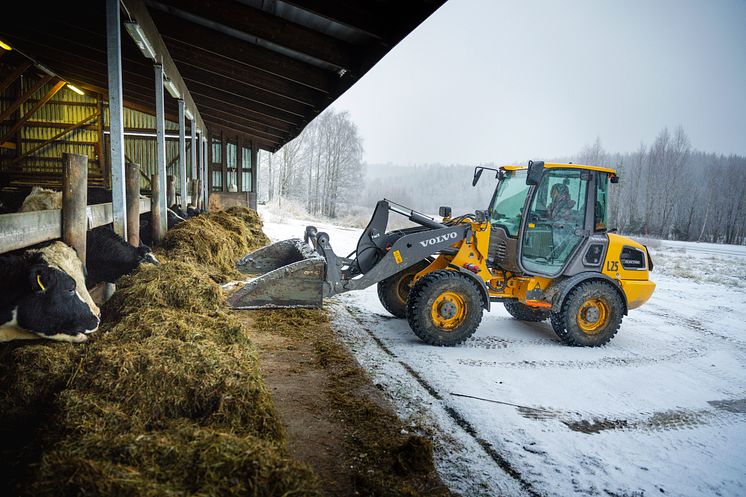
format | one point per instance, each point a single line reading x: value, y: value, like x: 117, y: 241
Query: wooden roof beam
x: 28, y: 94
x: 344, y: 12
x: 38, y: 105
x: 217, y: 126
x: 260, y: 28
x: 183, y: 54
x: 258, y: 129
x: 14, y: 75
x: 230, y: 108
x: 243, y: 102
x: 178, y: 30
x: 194, y: 75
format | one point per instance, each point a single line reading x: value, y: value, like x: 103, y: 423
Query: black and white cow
x: 108, y: 256
x: 43, y: 295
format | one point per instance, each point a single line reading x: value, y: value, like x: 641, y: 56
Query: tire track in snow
x: 456, y: 417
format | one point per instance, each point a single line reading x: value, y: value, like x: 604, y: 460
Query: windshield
x: 507, y: 205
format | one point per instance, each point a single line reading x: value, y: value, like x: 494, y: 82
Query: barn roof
x: 263, y: 68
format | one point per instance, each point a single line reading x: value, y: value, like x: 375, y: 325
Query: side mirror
x: 477, y: 175
x: 444, y: 211
x: 535, y: 171
x: 614, y: 179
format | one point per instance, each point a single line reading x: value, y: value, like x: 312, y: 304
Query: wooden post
x: 155, y: 211
x: 74, y: 200
x: 132, y: 189
x: 195, y: 193
x: 171, y: 190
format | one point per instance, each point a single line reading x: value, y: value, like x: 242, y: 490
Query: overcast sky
x: 501, y: 81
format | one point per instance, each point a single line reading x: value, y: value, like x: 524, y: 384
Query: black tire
x: 597, y: 301
x: 393, y: 292
x: 525, y: 313
x: 454, y: 291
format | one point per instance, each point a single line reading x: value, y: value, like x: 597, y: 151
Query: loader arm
x: 293, y: 274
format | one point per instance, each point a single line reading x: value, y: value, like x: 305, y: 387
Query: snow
x: 660, y: 410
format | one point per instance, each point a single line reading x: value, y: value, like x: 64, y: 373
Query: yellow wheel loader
x: 542, y: 249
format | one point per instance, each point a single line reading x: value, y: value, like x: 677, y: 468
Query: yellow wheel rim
x: 448, y: 310
x: 593, y: 316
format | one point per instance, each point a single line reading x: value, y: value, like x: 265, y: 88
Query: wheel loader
x: 543, y: 249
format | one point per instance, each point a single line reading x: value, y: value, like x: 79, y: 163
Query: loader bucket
x: 291, y: 275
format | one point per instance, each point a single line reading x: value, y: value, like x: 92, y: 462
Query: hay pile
x: 165, y: 400
x: 216, y: 241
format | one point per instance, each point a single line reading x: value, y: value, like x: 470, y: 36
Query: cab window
x: 555, y: 220
x: 507, y: 205
x: 602, y: 199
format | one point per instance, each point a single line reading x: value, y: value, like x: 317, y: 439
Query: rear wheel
x: 444, y: 308
x: 393, y: 292
x: 590, y: 316
x: 524, y: 312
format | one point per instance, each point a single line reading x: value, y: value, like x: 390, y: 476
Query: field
x: 661, y: 410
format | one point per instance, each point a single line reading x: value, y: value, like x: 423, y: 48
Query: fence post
x: 155, y: 211
x: 171, y: 190
x: 132, y: 195
x: 74, y: 200
x: 194, y: 192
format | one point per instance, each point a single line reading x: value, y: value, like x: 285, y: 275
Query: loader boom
x: 291, y: 274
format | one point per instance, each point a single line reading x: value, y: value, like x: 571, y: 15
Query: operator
x: 560, y: 209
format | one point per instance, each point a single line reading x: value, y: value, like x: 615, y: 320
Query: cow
x: 108, y: 256
x: 190, y: 212
x: 43, y: 295
x: 41, y: 199
x: 146, y: 229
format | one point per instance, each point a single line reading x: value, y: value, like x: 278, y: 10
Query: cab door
x: 555, y: 223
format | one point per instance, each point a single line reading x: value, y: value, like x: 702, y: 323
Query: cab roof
x: 553, y: 165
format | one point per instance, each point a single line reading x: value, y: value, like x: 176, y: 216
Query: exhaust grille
x: 498, y: 251
x: 501, y: 251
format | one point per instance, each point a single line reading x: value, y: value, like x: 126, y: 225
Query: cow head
x: 54, y: 307
x: 146, y: 255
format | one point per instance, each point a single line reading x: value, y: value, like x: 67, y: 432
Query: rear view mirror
x: 477, y: 175
x: 535, y: 171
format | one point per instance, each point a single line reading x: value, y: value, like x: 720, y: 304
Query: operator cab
x: 540, y: 215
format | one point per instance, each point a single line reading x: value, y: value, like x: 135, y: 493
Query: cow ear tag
x: 41, y: 285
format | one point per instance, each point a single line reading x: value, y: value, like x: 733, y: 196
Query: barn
x: 128, y: 108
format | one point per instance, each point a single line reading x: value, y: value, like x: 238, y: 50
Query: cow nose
x: 152, y: 259
x: 92, y: 325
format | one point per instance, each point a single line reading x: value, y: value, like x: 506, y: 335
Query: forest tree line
x: 667, y: 189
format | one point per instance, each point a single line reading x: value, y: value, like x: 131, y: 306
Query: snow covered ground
x: 661, y: 410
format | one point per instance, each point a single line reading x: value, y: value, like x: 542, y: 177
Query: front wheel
x: 590, y: 316
x: 393, y: 292
x: 444, y: 308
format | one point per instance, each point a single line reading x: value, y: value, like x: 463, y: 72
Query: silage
x: 217, y: 241
x: 167, y: 398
